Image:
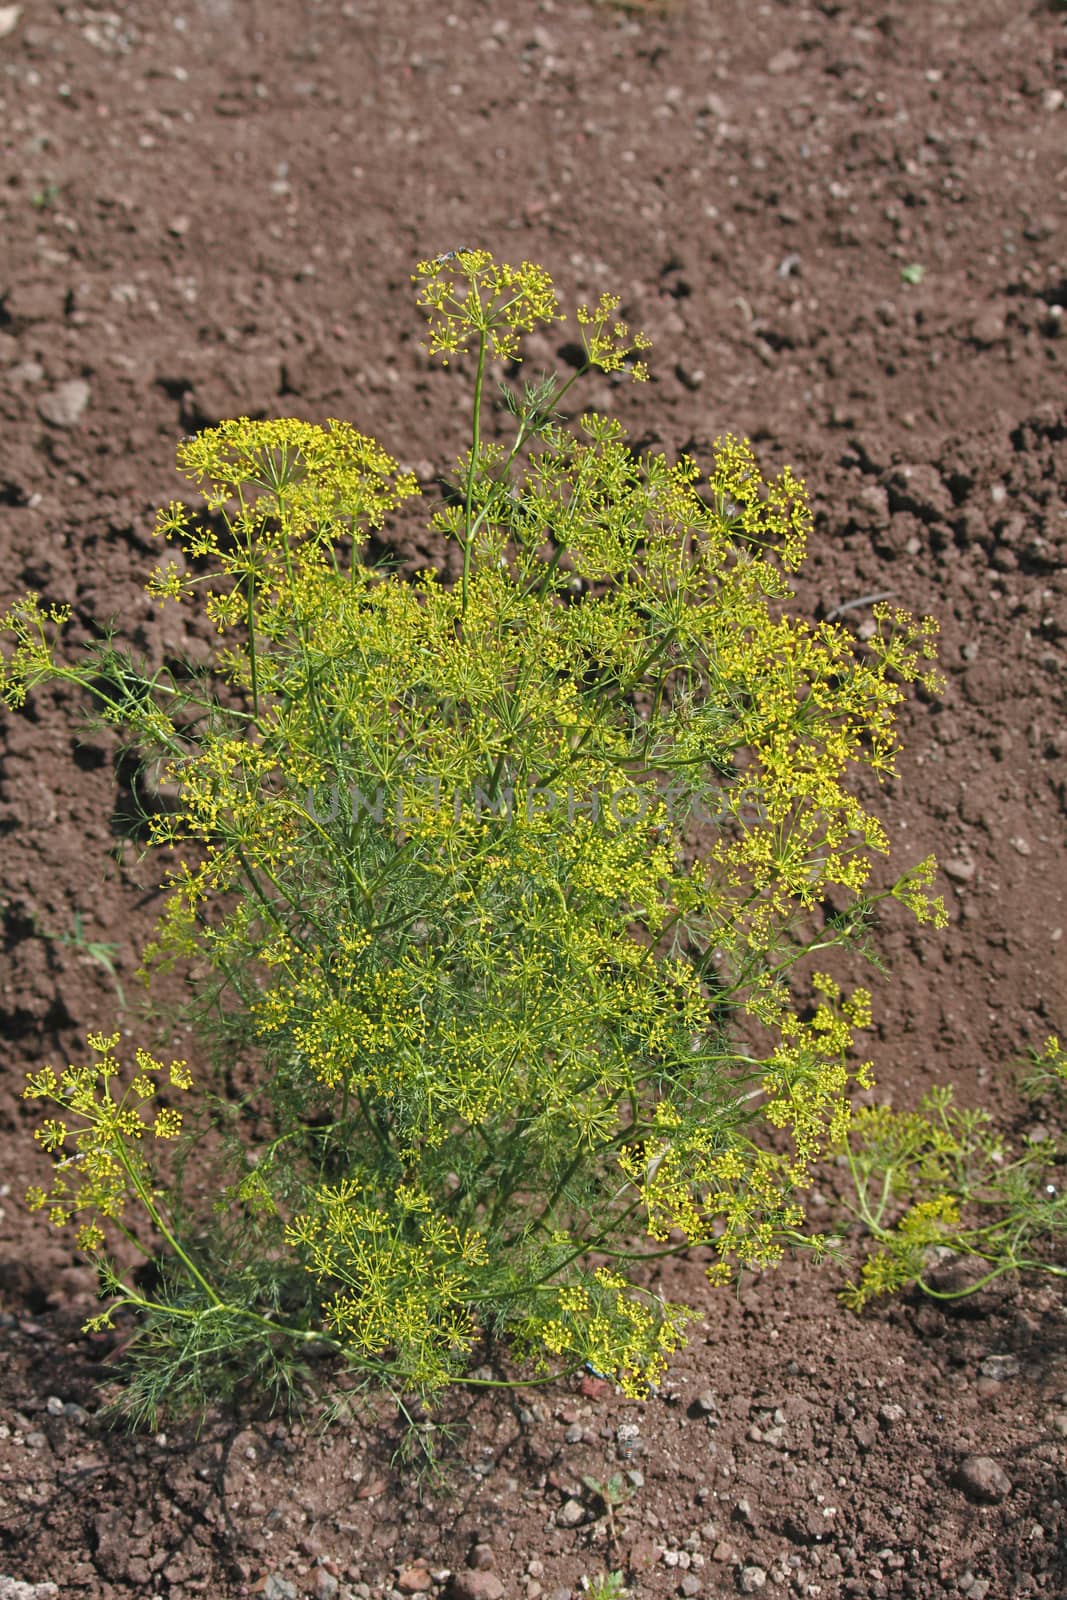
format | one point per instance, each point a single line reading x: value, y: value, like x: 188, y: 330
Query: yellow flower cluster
x: 400, y: 1281
x: 924, y: 1226
x: 290, y: 480
x: 941, y: 1177
x: 352, y: 1024
x: 105, y: 1168
x: 31, y: 662
x: 607, y: 340
x: 603, y: 1322
x: 729, y: 1193
x: 469, y: 297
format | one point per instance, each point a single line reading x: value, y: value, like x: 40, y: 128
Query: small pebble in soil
x: 592, y: 1388
x: 62, y: 406
x: 414, y: 1580
x: 472, y: 1585
x: 691, y: 377
x: 277, y: 1588
x: 751, y: 1580
x: 982, y: 1478
x: 1000, y: 1367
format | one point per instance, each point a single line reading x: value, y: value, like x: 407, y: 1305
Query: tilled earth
x: 843, y: 226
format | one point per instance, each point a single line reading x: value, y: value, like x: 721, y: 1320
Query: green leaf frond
x: 940, y: 1183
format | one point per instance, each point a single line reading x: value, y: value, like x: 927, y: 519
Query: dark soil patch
x: 214, y: 210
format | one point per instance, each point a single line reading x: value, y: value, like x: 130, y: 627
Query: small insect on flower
x: 627, y: 1438
x: 452, y: 255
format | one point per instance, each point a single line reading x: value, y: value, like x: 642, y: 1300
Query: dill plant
x: 940, y: 1184
x: 496, y: 884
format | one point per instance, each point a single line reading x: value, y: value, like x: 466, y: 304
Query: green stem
x: 524, y: 432
x: 253, y: 883
x: 472, y: 470
x: 588, y: 1246
x: 145, y: 1196
x: 221, y: 1307
x: 1011, y: 1265
x: 522, y: 1383
x: 372, y: 1123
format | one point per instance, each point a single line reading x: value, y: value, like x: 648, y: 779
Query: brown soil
x: 212, y: 208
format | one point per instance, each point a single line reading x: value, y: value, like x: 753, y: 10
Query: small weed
x: 606, y: 1586
x: 941, y: 1182
x: 92, y: 949
x: 612, y: 1494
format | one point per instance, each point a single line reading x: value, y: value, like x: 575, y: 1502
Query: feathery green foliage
x: 940, y: 1183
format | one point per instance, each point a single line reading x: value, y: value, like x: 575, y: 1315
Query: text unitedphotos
x: 628, y: 806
